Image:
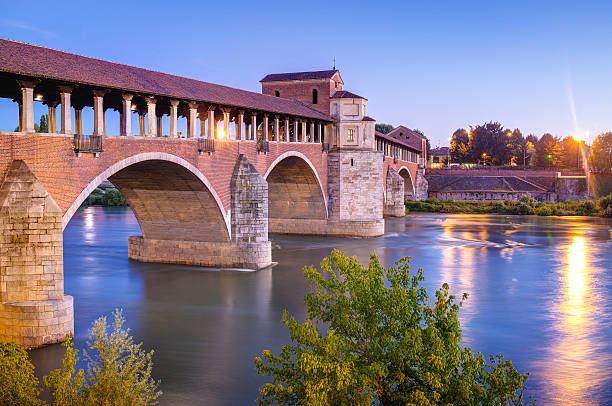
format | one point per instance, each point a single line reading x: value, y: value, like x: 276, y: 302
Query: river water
x: 540, y: 293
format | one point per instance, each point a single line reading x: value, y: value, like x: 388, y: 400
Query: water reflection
x: 540, y: 293
x: 578, y: 363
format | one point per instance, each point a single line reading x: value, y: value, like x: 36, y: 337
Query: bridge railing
x: 88, y: 143
x: 206, y: 145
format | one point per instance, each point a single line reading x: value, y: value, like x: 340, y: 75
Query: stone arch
x: 409, y: 191
x: 294, y: 188
x: 166, y: 193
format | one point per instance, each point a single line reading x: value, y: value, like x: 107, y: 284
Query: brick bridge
x: 206, y: 199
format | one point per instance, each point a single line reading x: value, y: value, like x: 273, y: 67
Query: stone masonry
x: 394, y: 194
x: 248, y: 246
x: 33, y: 308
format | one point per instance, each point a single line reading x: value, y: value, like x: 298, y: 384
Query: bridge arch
x: 166, y: 193
x: 295, y: 190
x: 409, y: 191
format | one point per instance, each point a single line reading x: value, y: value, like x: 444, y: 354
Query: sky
x: 540, y: 66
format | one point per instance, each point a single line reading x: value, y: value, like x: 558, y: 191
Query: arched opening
x: 408, y: 184
x: 315, y: 96
x: 294, y: 191
x: 170, y: 198
x: 276, y: 93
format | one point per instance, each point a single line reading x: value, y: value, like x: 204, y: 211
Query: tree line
x: 492, y: 144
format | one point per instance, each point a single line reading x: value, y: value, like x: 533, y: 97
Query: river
x: 540, y: 293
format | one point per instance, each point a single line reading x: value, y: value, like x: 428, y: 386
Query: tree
x: 43, y: 126
x: 518, y: 147
x: 385, y: 344
x: 600, y: 158
x: 571, y: 152
x: 459, y: 148
x: 18, y: 385
x: 488, y: 142
x: 549, y: 152
x: 383, y: 128
x: 118, y: 370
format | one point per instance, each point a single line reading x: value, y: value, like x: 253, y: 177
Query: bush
x: 607, y: 212
x: 523, y: 208
x: 18, y: 385
x: 113, y: 197
x: 605, y: 202
x: 544, y: 211
x: 118, y: 371
x: 585, y: 208
x: 386, y: 345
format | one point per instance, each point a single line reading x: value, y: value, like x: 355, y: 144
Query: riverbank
x: 109, y: 197
x: 525, y: 206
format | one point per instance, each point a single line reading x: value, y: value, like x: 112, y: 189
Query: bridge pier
x: 247, y: 247
x: 394, y: 194
x: 33, y: 308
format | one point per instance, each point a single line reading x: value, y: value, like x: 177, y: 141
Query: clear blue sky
x: 540, y: 66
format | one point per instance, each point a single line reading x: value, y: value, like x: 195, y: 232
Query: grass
x: 525, y: 206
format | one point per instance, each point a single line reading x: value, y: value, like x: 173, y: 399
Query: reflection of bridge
x: 256, y: 163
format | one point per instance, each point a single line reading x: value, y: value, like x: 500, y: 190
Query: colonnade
x: 259, y: 126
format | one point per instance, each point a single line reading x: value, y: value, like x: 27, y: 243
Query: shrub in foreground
x: 118, y: 372
x: 386, y: 344
x: 18, y: 385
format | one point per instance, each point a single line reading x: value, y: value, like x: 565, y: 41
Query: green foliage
x: 43, y: 126
x: 605, y: 205
x: 549, y: 151
x: 66, y: 384
x: 383, y: 128
x: 386, y: 344
x: 600, y: 158
x: 526, y: 205
x: 18, y: 385
x: 459, y: 148
x: 113, y: 197
x: 110, y: 198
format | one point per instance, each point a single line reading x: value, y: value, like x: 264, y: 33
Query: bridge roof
x: 41, y: 62
x: 403, y: 136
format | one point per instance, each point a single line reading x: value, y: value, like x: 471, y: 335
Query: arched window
x: 315, y: 96
x: 276, y: 93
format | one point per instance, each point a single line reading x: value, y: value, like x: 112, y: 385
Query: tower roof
x: 280, y: 77
x: 343, y: 94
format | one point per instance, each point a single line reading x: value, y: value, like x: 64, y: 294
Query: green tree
x: 18, y: 385
x: 489, y: 142
x: 517, y: 144
x: 385, y: 344
x: 600, y: 157
x: 459, y: 148
x: 43, y: 126
x: 549, y: 152
x: 383, y: 128
x: 571, y: 152
x: 118, y: 370
x: 113, y: 197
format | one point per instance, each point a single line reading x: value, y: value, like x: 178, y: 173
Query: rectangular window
x: 351, y: 136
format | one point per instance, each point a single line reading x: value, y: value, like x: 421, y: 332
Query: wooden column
x: 303, y: 136
x: 51, y: 123
x: 159, y: 126
x: 312, y: 132
x: 296, y: 137
x: 78, y: 120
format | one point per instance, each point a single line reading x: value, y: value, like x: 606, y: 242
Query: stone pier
x: 394, y: 194
x: 33, y: 308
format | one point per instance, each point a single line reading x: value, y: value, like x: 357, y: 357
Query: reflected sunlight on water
x: 576, y: 364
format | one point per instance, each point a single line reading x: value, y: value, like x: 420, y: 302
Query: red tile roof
x: 368, y: 118
x: 343, y: 94
x: 280, y: 77
x: 41, y: 62
x: 404, y: 136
